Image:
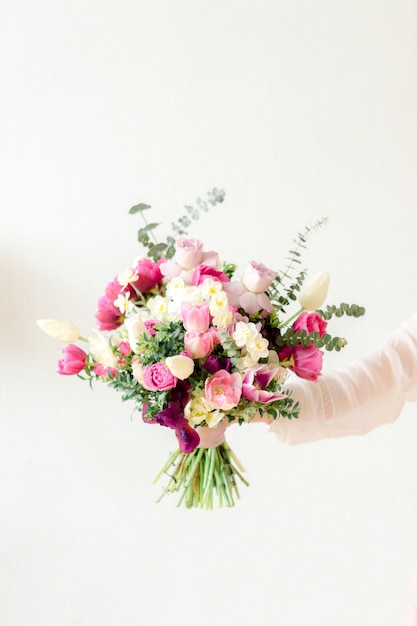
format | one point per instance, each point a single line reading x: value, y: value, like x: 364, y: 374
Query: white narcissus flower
x: 219, y: 303
x: 64, y: 331
x: 258, y: 348
x: 209, y: 288
x: 314, y: 292
x: 127, y: 277
x: 244, y: 333
x: 180, y: 366
x: 123, y: 303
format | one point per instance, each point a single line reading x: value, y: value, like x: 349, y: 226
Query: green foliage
x: 293, y: 338
x: 167, y: 341
x: 352, y: 310
x: 166, y: 249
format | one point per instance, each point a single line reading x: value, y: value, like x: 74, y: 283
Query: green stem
x: 290, y: 319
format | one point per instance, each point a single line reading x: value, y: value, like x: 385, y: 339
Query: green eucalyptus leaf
x: 139, y: 207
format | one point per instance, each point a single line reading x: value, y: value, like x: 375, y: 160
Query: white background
x: 297, y: 109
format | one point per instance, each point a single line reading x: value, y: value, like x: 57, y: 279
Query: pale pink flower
x: 196, y: 317
x: 223, y: 390
x: 255, y: 383
x: 257, y: 277
x: 200, y: 344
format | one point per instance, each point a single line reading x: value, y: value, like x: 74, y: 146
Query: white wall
x: 298, y: 110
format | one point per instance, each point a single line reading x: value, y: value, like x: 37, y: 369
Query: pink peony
x: 196, y: 317
x: 308, y: 361
x: 73, y: 361
x: 223, y: 390
x: 311, y: 322
x: 157, y: 377
x: 200, y: 344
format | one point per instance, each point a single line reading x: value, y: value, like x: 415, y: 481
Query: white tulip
x: 64, y: 331
x: 314, y: 292
x: 180, y: 366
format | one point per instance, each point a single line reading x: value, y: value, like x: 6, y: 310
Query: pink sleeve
x: 357, y: 399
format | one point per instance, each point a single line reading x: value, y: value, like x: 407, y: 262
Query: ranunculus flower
x: 180, y: 366
x: 223, y: 390
x: 196, y: 317
x: 311, y: 322
x: 200, y: 344
x: 255, y: 383
x: 257, y: 277
x: 202, y: 272
x: 149, y: 275
x: 73, y: 361
x: 308, y: 361
x: 64, y: 331
x: 157, y: 377
x: 314, y: 292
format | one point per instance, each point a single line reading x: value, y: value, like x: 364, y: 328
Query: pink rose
x: 149, y: 275
x: 308, y: 361
x: 73, y: 361
x: 223, y: 390
x: 196, y: 317
x: 200, y: 344
x: 311, y: 322
x: 257, y: 277
x: 157, y: 377
x: 189, y: 252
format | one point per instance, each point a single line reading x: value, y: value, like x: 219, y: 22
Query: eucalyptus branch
x: 351, y: 310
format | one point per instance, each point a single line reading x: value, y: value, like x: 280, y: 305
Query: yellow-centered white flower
x: 314, y: 292
x: 127, y: 277
x: 123, y: 303
x: 180, y: 366
x: 63, y: 331
x: 219, y: 303
x: 244, y: 333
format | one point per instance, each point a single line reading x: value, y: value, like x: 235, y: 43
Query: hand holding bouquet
x: 196, y: 347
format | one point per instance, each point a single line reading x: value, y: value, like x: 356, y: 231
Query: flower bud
x: 64, y: 331
x: 314, y: 292
x: 180, y: 366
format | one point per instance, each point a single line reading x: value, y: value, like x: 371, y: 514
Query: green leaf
x: 139, y: 207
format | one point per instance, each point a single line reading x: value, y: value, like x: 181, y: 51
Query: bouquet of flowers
x: 196, y: 347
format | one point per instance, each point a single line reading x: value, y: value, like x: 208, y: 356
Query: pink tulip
x: 199, y: 344
x: 73, y: 361
x: 311, y: 322
x: 307, y: 361
x: 223, y: 390
x: 196, y: 317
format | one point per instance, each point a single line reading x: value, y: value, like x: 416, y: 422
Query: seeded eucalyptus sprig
x: 282, y: 300
x: 156, y: 250
x: 293, y: 338
x: 351, y: 310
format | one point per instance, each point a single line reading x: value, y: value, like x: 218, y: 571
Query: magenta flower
x: 188, y: 438
x: 104, y: 371
x: 157, y: 377
x: 308, y: 361
x: 73, y: 361
x: 255, y: 384
x: 108, y: 315
x: 149, y: 275
x: 124, y: 348
x: 202, y: 272
x: 311, y: 322
x: 223, y: 390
